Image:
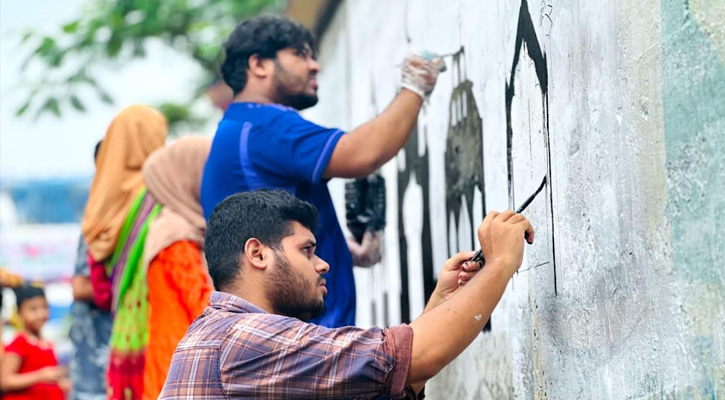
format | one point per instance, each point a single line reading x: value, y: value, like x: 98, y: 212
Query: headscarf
x: 173, y: 178
x: 135, y: 133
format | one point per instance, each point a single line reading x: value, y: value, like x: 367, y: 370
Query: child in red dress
x: 29, y: 369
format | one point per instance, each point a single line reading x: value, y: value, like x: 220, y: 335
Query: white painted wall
x: 612, y: 321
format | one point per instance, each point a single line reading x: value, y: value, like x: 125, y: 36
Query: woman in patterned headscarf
x: 117, y: 216
x: 179, y: 285
x: 132, y: 136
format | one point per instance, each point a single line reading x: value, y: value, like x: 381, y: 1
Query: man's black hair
x: 266, y: 215
x: 264, y: 35
x: 27, y: 292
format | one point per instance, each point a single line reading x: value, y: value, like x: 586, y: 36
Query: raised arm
x: 366, y: 148
x: 444, y: 331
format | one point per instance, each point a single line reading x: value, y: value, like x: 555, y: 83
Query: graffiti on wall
x: 463, y: 162
x: 414, y: 173
x: 527, y: 138
x: 528, y: 161
x: 464, y: 191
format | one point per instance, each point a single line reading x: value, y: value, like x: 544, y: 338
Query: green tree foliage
x: 109, y: 32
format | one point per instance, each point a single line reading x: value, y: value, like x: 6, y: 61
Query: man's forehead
x: 300, y: 233
x: 305, y: 46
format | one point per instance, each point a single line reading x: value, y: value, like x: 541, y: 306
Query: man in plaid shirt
x: 252, y: 343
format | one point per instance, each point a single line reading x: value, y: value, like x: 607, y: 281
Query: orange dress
x: 179, y: 290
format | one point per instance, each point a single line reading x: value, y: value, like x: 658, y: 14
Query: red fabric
x: 35, y: 355
x: 179, y: 290
x: 101, y: 284
x: 125, y: 372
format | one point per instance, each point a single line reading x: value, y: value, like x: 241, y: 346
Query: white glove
x: 367, y: 253
x: 419, y: 74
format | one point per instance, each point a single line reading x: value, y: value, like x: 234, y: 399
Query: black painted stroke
x: 464, y: 155
x: 463, y: 172
x: 418, y: 164
x: 526, y: 38
x: 525, y: 35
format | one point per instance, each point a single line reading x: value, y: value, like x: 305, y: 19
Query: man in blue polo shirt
x: 263, y: 142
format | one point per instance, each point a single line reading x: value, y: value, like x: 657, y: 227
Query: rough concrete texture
x: 621, y: 105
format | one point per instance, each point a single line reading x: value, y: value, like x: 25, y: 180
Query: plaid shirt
x: 236, y: 350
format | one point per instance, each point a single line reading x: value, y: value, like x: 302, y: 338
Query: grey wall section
x: 621, y: 105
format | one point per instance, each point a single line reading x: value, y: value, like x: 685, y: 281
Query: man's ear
x: 260, y: 67
x: 254, y: 253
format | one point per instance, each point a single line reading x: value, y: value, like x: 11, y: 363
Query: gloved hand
x: 420, y: 73
x: 367, y: 253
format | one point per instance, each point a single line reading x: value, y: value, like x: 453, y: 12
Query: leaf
x: 71, y: 27
x: 47, y: 45
x: 112, y: 32
x: 50, y: 105
x: 175, y: 112
x: 24, y: 108
x: 105, y: 97
x: 180, y: 117
x: 138, y: 48
x: 77, y: 103
x: 26, y: 36
x: 82, y: 77
x: 114, y: 45
x: 56, y: 59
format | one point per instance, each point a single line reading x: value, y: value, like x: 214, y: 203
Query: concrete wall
x: 621, y: 106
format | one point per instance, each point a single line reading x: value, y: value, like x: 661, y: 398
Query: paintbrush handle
x: 478, y: 256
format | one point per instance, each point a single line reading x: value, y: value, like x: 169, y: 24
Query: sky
x: 51, y: 147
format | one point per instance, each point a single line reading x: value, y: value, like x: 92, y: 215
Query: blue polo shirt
x: 272, y: 146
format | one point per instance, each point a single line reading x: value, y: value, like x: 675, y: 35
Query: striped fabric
x: 129, y: 333
x: 236, y: 350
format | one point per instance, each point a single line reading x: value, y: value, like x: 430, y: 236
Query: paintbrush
x: 478, y: 256
x: 531, y: 198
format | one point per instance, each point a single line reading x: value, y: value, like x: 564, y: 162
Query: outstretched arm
x: 456, y: 272
x: 366, y: 148
x: 443, y: 332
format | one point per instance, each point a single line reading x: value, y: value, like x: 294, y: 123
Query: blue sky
x: 52, y: 147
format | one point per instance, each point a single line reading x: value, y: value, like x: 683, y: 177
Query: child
x: 29, y: 369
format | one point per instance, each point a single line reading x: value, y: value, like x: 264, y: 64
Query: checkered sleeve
x: 275, y: 357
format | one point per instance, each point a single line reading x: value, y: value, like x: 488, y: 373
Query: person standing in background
x: 263, y: 142
x: 90, y: 330
x: 30, y: 370
x: 117, y: 215
x: 179, y: 284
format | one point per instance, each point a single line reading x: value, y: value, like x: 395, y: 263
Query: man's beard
x: 282, y: 81
x: 291, y: 294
